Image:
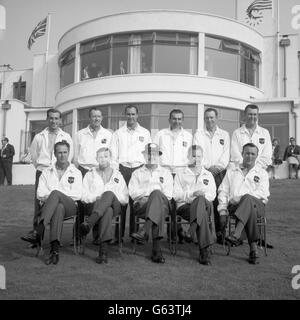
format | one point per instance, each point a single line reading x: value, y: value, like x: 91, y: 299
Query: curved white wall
x: 156, y: 88
x: 161, y: 20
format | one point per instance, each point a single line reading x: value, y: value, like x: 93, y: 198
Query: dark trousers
x: 127, y: 173
x: 106, y: 208
x: 37, y: 207
x: 247, y: 211
x: 198, y: 214
x: 85, y: 210
x: 57, y: 207
x: 218, y: 180
x: 5, y: 171
x: 155, y: 209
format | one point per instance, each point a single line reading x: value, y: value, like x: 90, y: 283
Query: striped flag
x: 258, y: 5
x: 38, y: 31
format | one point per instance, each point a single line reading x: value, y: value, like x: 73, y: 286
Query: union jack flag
x: 38, y: 31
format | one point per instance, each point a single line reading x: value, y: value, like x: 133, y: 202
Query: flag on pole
x: 38, y: 31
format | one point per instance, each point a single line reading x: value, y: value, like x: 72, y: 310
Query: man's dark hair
x: 211, y: 110
x: 131, y: 106
x: 61, y: 143
x: 176, y: 111
x: 250, y: 145
x: 251, y: 106
x: 94, y: 108
x: 52, y: 110
x: 5, y: 139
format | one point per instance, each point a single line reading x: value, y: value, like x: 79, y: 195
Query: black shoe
x: 102, y: 257
x: 53, y: 258
x: 96, y: 242
x: 231, y: 239
x: 204, y: 257
x: 32, y: 238
x: 140, y: 236
x: 253, y: 258
x: 269, y: 246
x: 84, y: 229
x: 157, y: 257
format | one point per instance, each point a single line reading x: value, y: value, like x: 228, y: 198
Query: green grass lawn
x: 135, y: 276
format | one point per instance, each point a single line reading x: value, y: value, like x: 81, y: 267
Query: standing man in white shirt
x: 127, y: 146
x: 252, y: 132
x: 194, y: 190
x: 59, y: 187
x: 105, y: 191
x: 86, y: 143
x: 89, y: 140
x: 42, y: 151
x: 174, y: 143
x: 244, y: 193
x: 151, y: 188
x: 215, y: 143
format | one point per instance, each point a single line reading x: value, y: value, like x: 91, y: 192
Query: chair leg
x: 265, y: 235
x: 118, y: 219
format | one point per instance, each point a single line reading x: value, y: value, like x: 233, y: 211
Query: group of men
x: 176, y: 174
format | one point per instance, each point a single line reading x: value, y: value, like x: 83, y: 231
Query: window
x: 67, y: 122
x: 95, y: 58
x: 67, y: 65
x: 19, y: 90
x: 229, y: 59
x: 147, y: 52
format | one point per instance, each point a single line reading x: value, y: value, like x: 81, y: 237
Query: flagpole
x: 278, y: 49
x: 47, y: 56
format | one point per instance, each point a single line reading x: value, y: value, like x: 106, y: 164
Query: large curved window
x: 148, y: 52
x: 67, y: 63
x: 229, y: 59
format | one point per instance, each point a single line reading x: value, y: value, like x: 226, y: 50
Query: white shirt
x: 216, y: 148
x: 93, y: 186
x: 260, y: 137
x: 186, y: 182
x: 174, y: 148
x: 39, y: 151
x: 235, y: 185
x: 143, y: 181
x: 86, y: 146
x: 70, y: 183
x: 127, y: 146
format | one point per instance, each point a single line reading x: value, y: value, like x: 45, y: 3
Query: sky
x: 23, y: 15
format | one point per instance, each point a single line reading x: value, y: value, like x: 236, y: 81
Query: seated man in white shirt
x: 194, y: 190
x: 104, y: 188
x: 244, y: 193
x: 215, y: 143
x: 59, y: 187
x: 151, y: 188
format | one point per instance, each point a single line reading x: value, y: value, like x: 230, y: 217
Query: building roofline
x: 157, y: 10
